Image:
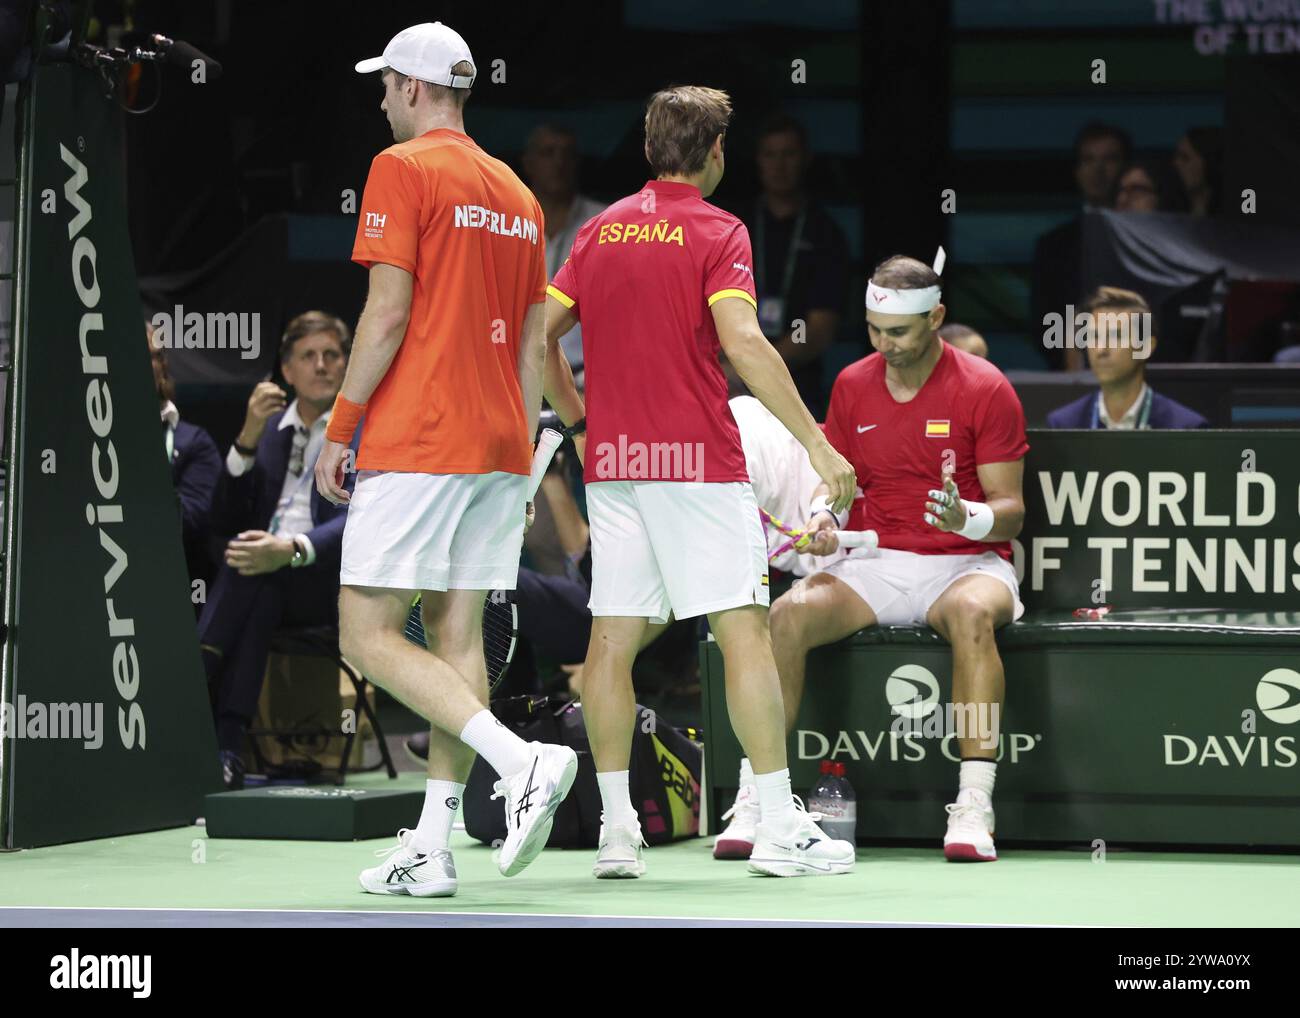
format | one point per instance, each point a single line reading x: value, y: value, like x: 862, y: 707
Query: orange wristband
x: 344, y: 419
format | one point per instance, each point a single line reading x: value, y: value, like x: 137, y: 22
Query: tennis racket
x: 500, y: 633
x: 800, y: 538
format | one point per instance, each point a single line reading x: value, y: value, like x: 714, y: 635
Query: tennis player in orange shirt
x: 447, y: 369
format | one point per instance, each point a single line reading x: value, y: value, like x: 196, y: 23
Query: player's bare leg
x: 609, y: 709
x: 453, y: 630
x: 753, y: 688
x: 534, y: 777
x: 371, y: 625
x: 608, y: 700
x: 786, y: 841
x: 816, y: 611
x: 422, y: 863
x: 966, y: 614
x: 819, y: 610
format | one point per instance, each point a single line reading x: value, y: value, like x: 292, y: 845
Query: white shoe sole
x: 792, y: 868
x: 533, y: 843
x: 619, y: 869
x: 429, y: 889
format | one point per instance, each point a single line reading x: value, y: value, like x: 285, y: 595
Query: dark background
x: 902, y: 100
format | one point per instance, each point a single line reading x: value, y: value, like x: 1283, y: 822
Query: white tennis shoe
x: 406, y: 871
x: 619, y: 855
x: 532, y: 796
x: 804, y: 851
x: 737, y: 839
x: 970, y: 828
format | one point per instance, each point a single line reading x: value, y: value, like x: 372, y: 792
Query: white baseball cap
x: 427, y: 52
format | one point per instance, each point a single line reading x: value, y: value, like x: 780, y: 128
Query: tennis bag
x: 664, y: 777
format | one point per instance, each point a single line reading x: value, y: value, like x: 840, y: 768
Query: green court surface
x: 183, y: 869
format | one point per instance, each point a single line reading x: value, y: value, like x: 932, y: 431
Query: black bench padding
x: 1147, y: 626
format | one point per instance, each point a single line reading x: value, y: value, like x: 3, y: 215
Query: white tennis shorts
x: 900, y: 586
x: 692, y: 548
x: 434, y: 531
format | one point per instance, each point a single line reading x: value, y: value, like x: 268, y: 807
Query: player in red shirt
x: 937, y: 439
x: 661, y: 281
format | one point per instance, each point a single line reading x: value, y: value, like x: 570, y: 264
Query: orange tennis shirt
x: 472, y: 235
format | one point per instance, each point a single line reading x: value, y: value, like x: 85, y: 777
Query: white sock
x: 615, y: 798
x: 504, y: 751
x: 746, y: 772
x: 775, y: 800
x: 441, y: 800
x: 977, y: 776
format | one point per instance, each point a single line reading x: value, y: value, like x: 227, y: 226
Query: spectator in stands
x: 550, y: 165
x: 1100, y: 150
x: 1124, y: 402
x: 800, y: 259
x: 963, y: 337
x: 282, y: 560
x: 1198, y: 159
x: 1149, y: 185
x: 195, y: 468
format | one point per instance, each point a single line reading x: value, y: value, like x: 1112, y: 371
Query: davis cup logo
x: 913, y: 691
x: 1278, y: 696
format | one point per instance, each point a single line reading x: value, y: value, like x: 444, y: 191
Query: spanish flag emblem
x: 937, y: 429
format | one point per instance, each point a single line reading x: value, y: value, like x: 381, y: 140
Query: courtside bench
x: 1152, y: 725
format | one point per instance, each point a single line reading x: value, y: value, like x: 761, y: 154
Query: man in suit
x: 282, y: 560
x: 1121, y: 342
x: 195, y: 465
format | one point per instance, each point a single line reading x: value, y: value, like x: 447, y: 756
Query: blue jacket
x: 1166, y: 414
x: 248, y: 502
x: 196, y: 472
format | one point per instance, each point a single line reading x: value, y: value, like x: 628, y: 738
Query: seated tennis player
x: 937, y: 440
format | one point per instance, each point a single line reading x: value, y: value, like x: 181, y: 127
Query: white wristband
x: 823, y: 504
x: 979, y: 521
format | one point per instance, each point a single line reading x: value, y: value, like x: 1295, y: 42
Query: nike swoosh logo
x: 866, y: 427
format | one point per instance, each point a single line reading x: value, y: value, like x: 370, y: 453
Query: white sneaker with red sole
x: 737, y: 839
x: 970, y: 828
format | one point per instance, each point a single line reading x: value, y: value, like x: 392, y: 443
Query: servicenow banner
x: 106, y: 726
x: 1161, y: 519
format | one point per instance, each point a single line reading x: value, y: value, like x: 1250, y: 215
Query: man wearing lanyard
x: 1121, y: 343
x: 799, y: 260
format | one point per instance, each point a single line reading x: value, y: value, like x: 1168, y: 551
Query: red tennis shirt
x: 899, y: 449
x: 641, y: 279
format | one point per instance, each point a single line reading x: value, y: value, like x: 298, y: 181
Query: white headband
x: 901, y: 302
x: 906, y: 302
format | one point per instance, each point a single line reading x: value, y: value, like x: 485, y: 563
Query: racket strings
x: 500, y: 625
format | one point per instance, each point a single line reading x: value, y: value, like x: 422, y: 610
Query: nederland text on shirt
x: 477, y: 217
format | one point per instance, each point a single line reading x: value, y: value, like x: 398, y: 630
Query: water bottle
x: 833, y: 798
